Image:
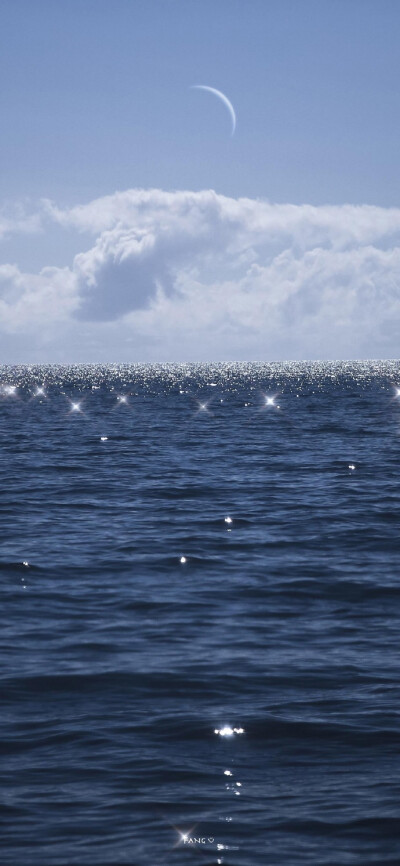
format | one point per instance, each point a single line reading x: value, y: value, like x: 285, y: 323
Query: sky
x: 135, y: 227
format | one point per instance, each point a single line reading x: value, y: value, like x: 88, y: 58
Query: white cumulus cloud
x: 196, y: 275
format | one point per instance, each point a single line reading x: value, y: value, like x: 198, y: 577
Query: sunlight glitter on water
x: 228, y: 731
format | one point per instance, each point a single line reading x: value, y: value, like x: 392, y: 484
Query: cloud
x: 30, y: 301
x: 196, y: 275
x: 17, y: 219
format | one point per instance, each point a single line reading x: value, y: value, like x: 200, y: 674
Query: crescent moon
x: 223, y: 99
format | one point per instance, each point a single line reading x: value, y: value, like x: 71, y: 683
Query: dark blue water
x: 121, y: 665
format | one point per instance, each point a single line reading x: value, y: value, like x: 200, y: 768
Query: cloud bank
x: 200, y: 276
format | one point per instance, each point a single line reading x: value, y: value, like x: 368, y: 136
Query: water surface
x: 120, y: 662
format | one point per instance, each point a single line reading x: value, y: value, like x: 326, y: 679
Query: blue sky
x: 96, y: 99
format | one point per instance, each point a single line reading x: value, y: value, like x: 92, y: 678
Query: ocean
x: 200, y: 611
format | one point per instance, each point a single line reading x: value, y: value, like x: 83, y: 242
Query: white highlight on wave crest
x: 227, y: 731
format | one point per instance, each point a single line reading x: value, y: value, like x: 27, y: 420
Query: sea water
x: 200, y: 614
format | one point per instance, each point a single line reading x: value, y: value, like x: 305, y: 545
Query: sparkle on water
x: 184, y: 835
x: 10, y: 390
x: 227, y: 731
